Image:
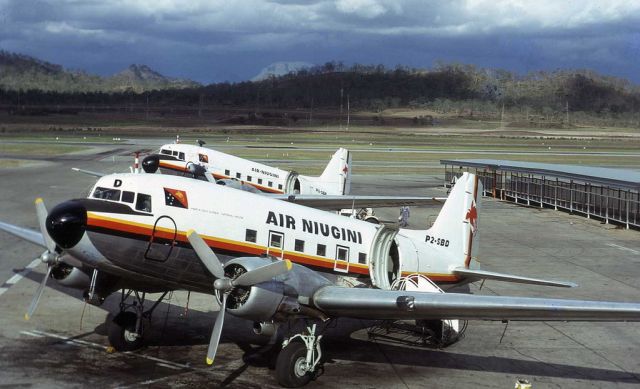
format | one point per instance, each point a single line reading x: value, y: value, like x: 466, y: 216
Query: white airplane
x: 178, y: 158
x: 329, y: 191
x: 274, y: 262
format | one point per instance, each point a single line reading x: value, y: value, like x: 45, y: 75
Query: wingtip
x: 209, y: 361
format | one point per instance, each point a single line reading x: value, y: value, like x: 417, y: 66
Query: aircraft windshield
x: 107, y: 194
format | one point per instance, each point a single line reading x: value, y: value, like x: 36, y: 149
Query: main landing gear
x: 126, y: 329
x: 299, y: 361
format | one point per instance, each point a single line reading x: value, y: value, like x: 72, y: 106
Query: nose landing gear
x: 299, y: 361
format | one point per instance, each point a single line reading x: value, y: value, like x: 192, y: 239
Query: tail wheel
x: 291, y: 366
x: 122, y: 332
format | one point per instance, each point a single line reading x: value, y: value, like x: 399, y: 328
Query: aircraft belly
x: 181, y: 267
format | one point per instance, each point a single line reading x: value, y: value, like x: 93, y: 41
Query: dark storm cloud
x: 210, y: 40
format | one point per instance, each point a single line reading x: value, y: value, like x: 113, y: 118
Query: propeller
x: 225, y: 285
x: 50, y: 256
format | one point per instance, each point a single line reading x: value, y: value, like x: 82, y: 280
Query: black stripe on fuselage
x: 97, y: 205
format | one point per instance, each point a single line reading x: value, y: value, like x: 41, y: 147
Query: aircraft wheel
x: 290, y: 366
x: 122, y: 332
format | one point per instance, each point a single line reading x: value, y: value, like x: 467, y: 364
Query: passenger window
x: 250, y: 236
x: 259, y: 180
x: 276, y: 241
x: 299, y: 245
x: 322, y: 250
x: 238, y: 175
x: 248, y: 178
x: 143, y: 203
x: 270, y: 183
x: 107, y: 194
x: 280, y: 186
x: 203, y: 158
x: 362, y: 258
x: 227, y: 173
x: 181, y: 156
x: 342, y: 254
x: 127, y: 197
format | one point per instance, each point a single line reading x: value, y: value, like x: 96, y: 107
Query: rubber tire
x: 124, y: 321
x: 286, y: 366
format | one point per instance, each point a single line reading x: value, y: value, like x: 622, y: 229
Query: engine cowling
x: 151, y: 163
x: 237, y: 184
x: 261, y: 302
x: 69, y: 276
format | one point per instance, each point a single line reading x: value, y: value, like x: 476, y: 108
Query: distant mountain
x: 19, y: 71
x: 141, y: 78
x: 277, y: 69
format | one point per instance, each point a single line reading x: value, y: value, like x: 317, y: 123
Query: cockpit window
x: 106, y: 194
x: 127, y: 197
x: 165, y: 151
x: 175, y: 152
x: 143, y: 203
x: 181, y: 156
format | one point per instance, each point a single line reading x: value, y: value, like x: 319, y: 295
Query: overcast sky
x: 212, y: 40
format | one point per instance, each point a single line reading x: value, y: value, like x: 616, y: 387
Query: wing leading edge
x: 390, y: 304
x: 29, y: 235
x: 332, y: 202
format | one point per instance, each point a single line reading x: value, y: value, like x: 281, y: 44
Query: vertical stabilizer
x: 336, y: 177
x: 458, y: 219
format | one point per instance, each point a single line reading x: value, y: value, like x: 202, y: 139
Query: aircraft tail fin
x: 336, y: 177
x: 457, y: 224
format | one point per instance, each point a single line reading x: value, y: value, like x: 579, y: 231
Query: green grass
x: 37, y: 149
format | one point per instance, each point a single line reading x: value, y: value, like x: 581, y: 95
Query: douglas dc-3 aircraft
x: 273, y: 262
x: 210, y: 164
x: 329, y: 191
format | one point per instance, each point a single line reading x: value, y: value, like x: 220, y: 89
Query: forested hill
x: 445, y: 88
x: 22, y: 72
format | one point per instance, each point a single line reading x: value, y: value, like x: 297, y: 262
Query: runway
x: 65, y: 344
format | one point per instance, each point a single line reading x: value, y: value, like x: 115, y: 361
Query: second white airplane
x: 202, y: 162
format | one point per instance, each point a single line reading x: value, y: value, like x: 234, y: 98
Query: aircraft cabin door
x: 163, y: 239
x: 341, y: 263
x: 276, y: 244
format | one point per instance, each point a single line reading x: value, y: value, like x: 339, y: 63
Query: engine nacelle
x: 236, y: 184
x: 69, y: 276
x: 280, y: 296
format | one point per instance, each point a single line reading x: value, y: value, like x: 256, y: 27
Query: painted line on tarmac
x: 636, y: 252
x: 81, y: 343
x: 18, y: 276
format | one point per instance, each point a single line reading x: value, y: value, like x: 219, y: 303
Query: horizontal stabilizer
x: 338, y: 202
x: 29, y: 235
x: 365, y: 303
x: 488, y: 275
x: 89, y: 172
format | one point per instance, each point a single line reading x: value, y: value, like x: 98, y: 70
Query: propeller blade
x: 36, y: 298
x: 217, y: 331
x: 207, y: 257
x: 264, y: 273
x: 41, y: 211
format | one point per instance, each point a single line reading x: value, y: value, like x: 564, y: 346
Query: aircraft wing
x: 89, y: 172
x: 364, y: 303
x: 24, y: 233
x: 335, y: 203
x: 488, y: 275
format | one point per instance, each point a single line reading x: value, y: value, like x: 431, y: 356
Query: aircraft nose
x: 151, y: 163
x: 66, y: 223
